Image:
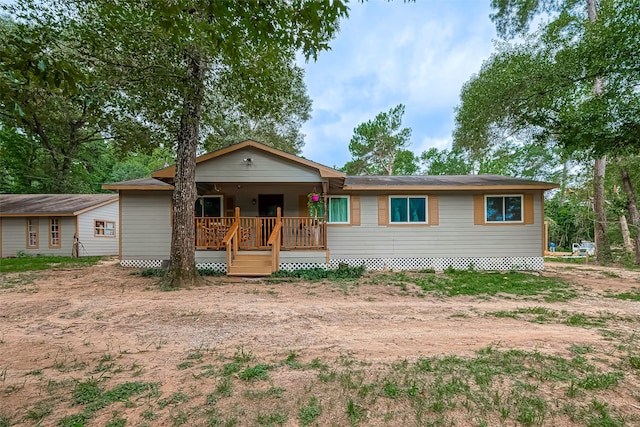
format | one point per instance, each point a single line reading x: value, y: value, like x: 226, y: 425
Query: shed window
x: 54, y: 233
x: 105, y: 228
x: 32, y: 233
x: 507, y: 208
x: 407, y: 209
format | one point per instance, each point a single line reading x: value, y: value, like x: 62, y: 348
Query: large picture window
x: 408, y: 209
x: 209, y: 206
x: 338, y: 209
x: 503, y: 208
x: 54, y: 233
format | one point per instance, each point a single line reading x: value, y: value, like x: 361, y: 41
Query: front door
x: 268, y: 205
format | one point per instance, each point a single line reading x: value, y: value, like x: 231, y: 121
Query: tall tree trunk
x: 632, y: 207
x: 182, y: 267
x: 626, y: 236
x: 603, y: 249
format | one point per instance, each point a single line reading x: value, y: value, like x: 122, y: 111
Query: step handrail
x: 231, y: 240
x: 274, y: 242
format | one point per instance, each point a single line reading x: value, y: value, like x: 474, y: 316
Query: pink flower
x: 315, y: 197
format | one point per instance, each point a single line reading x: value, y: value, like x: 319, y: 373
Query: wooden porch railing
x: 254, y: 232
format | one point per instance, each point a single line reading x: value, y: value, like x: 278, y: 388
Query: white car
x: 584, y: 248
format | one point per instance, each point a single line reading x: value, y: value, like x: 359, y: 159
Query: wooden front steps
x: 248, y: 264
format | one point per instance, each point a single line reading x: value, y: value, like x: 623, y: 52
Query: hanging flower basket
x: 314, y: 204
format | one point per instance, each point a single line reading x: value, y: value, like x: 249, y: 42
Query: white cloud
x: 418, y: 54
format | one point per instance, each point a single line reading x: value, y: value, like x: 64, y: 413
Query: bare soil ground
x: 64, y: 324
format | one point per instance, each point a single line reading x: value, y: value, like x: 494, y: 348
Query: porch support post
x: 325, y: 184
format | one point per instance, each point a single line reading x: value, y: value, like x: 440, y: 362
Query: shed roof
x: 139, y: 184
x: 52, y: 204
x: 444, y: 182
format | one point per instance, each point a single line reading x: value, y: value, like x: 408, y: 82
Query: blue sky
x: 389, y: 53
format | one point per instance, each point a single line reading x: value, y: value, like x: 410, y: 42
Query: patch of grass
x: 116, y: 422
x: 272, y: 419
x: 175, y: 399
x: 601, y: 381
x: 292, y: 361
x: 94, y: 397
x: 316, y: 274
x: 39, y: 411
x: 23, y: 282
x: 75, y: 420
x: 276, y: 392
x: 185, y: 365
x: 355, y: 412
x: 41, y: 262
x: 255, y: 373
x: 225, y: 387
x: 629, y: 296
x: 309, y: 413
x: 475, y: 283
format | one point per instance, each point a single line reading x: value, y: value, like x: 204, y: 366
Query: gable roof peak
x: 324, y: 171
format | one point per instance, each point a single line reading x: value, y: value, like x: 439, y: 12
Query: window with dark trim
x: 408, y: 210
x: 209, y: 206
x: 503, y: 208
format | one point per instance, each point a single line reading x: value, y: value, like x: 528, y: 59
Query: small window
x: 338, y: 210
x: 507, y: 208
x: 209, y: 206
x: 32, y: 233
x: 105, y: 228
x: 408, y: 209
x: 54, y: 233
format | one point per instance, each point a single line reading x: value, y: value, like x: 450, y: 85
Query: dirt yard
x: 63, y: 325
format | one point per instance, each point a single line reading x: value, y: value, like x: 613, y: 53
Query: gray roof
x: 139, y: 184
x: 51, y: 204
x: 443, y: 182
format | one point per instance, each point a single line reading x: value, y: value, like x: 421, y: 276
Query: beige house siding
x: 456, y: 235
x: 263, y: 167
x: 14, y: 236
x: 145, y: 230
x: 91, y: 244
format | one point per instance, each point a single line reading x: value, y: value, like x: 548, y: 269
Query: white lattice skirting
x: 476, y: 263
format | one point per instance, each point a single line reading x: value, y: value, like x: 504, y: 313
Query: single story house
x: 50, y: 224
x: 257, y: 212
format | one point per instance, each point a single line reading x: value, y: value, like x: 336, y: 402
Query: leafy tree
x: 275, y: 122
x: 378, y: 144
x: 445, y: 162
x: 551, y: 88
x: 184, y: 56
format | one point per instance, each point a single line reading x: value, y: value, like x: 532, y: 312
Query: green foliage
x: 378, y: 144
x: 461, y: 282
x: 36, y: 263
x: 629, y: 296
x: 313, y: 274
x: 257, y: 372
x: 542, y: 88
x: 309, y: 413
